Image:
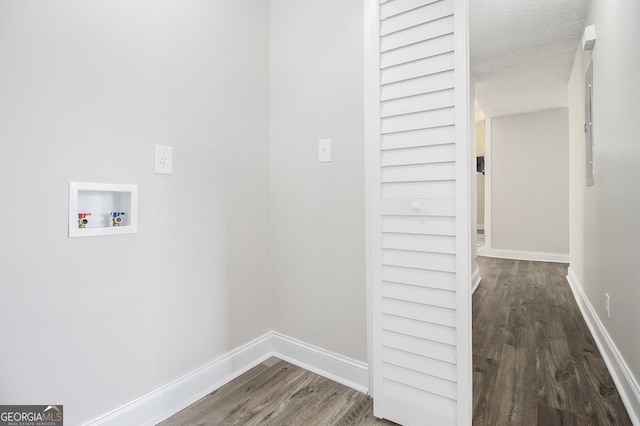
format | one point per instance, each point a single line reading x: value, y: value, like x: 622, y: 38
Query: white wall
x: 86, y: 90
x: 317, y: 209
x: 605, y: 246
x: 530, y: 182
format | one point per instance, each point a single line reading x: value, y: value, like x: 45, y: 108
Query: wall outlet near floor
x: 607, y: 304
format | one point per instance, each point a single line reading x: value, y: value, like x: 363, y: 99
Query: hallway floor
x: 534, y: 360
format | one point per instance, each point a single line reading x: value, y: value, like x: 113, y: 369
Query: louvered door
x: 421, y: 285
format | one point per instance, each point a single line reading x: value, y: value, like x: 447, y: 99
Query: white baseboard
x: 172, y: 397
x: 626, y: 383
x: 535, y: 256
x: 346, y: 371
x: 475, y: 280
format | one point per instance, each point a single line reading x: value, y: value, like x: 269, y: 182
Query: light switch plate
x: 324, y: 150
x: 164, y: 159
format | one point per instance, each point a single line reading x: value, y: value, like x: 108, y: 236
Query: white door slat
x: 417, y: 34
x: 418, y: 103
x: 418, y: 120
x: 421, y: 381
x: 418, y: 398
x: 420, y: 243
x: 418, y: 16
x: 415, y: 362
x: 425, y: 295
x: 416, y: 51
x: 415, y: 86
x: 425, y: 330
x: 419, y: 225
x: 419, y: 172
x: 444, y: 189
x: 432, y: 314
x: 396, y: 7
x: 419, y: 155
x: 419, y: 207
x: 419, y: 346
x: 421, y: 137
x: 427, y: 66
x: 433, y: 279
x: 432, y: 261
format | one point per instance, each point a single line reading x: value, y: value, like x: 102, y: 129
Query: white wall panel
x: 529, y: 155
x: 86, y: 90
x: 316, y: 62
x: 603, y: 218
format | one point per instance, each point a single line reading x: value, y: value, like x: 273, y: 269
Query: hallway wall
x: 605, y: 247
x: 530, y: 182
x: 87, y: 88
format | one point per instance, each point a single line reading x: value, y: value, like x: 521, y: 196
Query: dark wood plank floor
x: 534, y: 360
x: 534, y: 363
x: 279, y: 393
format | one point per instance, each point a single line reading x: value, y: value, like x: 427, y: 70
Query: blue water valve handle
x: 116, y: 218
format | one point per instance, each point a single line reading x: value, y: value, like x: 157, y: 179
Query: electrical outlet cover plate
x: 164, y: 159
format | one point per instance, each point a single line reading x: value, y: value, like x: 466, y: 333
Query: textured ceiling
x: 522, y: 52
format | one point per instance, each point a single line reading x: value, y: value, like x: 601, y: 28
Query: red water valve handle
x: 83, y: 215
